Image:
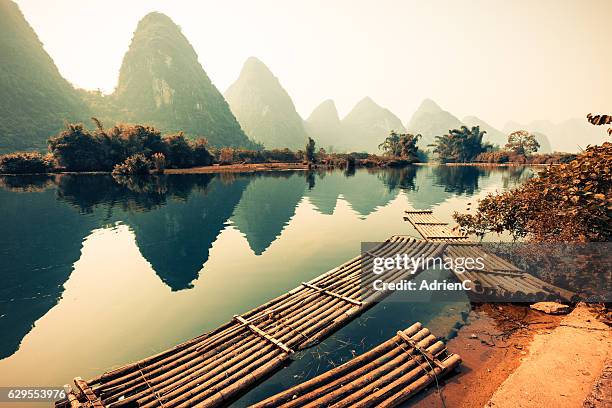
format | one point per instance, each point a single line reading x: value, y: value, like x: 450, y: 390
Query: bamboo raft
x: 385, y: 376
x: 499, y: 279
x: 213, y: 369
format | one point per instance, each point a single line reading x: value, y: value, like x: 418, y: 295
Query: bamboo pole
x: 352, y: 367
x: 327, y: 393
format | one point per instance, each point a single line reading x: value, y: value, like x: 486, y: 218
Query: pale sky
x: 499, y: 60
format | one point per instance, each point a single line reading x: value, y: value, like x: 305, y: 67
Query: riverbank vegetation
x: 139, y: 149
x: 466, y: 145
x: 79, y: 149
x: 571, y: 202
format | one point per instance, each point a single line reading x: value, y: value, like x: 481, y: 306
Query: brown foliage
x: 25, y: 163
x: 566, y: 203
x: 506, y: 156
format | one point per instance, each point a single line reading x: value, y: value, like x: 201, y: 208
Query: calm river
x: 97, y: 273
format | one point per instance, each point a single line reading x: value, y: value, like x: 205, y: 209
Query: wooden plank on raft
x: 84, y: 388
x: 418, y: 211
x: 385, y: 376
x: 330, y: 293
x: 263, y: 334
x: 438, y: 232
x: 430, y: 357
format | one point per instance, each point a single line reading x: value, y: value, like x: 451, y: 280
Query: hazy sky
x: 499, y: 60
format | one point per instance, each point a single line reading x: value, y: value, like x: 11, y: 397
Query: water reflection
x: 41, y: 239
x: 267, y: 205
x: 177, y: 219
x: 459, y: 179
x: 176, y: 238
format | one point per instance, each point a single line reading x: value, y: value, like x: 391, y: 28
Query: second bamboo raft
x: 385, y: 376
x: 499, y: 280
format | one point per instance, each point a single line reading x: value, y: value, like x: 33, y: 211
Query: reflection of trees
x: 175, y: 218
x: 399, y: 178
x: 24, y: 184
x: 516, y: 175
x: 458, y: 179
x: 310, y: 179
x: 135, y: 193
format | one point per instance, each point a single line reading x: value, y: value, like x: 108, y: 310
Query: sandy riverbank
x: 501, y: 348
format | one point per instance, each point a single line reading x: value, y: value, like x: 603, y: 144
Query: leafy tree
x: 408, y: 146
x: 76, y: 149
x: 391, y: 145
x: 226, y: 155
x: 522, y: 143
x: 179, y: 153
x: 201, y: 155
x: 310, y: 151
x: 402, y: 146
x: 461, y: 145
x: 159, y: 162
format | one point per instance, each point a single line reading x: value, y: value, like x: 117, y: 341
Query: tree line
x: 140, y: 149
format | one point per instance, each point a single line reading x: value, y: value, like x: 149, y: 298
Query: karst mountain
x: 162, y: 83
x: 264, y: 108
x: 36, y: 99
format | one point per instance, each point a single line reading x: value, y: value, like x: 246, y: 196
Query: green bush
x: 136, y: 164
x: 25, y: 163
x: 79, y: 149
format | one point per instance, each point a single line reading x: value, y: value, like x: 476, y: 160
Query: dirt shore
x: 239, y: 168
x: 496, y: 343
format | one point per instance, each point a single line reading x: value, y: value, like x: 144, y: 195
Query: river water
x: 98, y: 272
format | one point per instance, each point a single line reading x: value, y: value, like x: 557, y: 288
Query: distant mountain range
x: 162, y: 83
x: 367, y: 125
x: 264, y: 109
x: 430, y: 121
x: 363, y: 129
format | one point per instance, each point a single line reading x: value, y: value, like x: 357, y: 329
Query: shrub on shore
x: 507, y: 156
x: 159, y: 162
x: 231, y: 155
x: 25, y: 163
x: 79, y: 149
x: 136, y: 164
